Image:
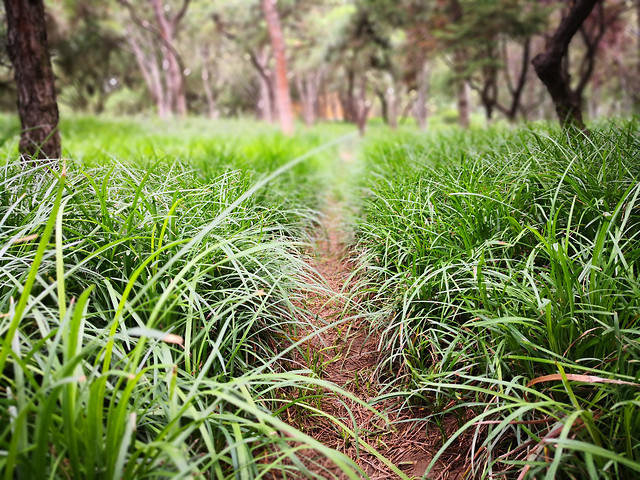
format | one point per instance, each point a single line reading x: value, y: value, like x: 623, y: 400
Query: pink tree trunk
x: 282, y: 92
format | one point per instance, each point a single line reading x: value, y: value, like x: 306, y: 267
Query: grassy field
x: 147, y: 294
x: 151, y: 289
x: 504, y: 272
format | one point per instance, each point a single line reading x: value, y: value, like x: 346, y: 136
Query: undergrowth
x: 146, y: 307
x: 505, y: 273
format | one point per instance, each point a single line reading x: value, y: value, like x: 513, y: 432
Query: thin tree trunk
x: 208, y: 92
x: 308, y: 85
x: 150, y: 73
x: 548, y: 66
x: 384, y: 106
x: 37, y: 103
x: 265, y: 105
x: 175, y: 76
x: 420, y: 108
x: 348, y: 100
x: 282, y: 93
x: 636, y: 82
x: 517, y: 90
x: 463, y: 89
x: 464, y: 101
x: 205, y: 74
x: 362, y: 108
x: 392, y: 107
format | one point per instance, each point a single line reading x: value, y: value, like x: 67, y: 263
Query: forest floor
x: 347, y: 354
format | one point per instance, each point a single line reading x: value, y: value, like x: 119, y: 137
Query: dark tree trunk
x: 517, y: 90
x: 37, y: 104
x: 384, y: 106
x: 347, y: 98
x: 549, y: 68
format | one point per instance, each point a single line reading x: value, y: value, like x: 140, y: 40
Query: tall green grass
x: 146, y: 309
x: 209, y: 147
x: 506, y: 270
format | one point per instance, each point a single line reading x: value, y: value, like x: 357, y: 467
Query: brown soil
x: 347, y: 355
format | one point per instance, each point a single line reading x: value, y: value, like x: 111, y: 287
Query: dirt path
x: 347, y: 355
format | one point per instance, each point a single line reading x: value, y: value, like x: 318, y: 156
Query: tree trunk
x: 282, y: 94
x: 175, y: 77
x: 384, y: 107
x: 420, y: 109
x: 348, y: 100
x: 548, y: 66
x: 308, y: 85
x: 362, y: 108
x: 464, y: 93
x: 265, y: 105
x: 205, y: 75
x: 636, y: 82
x: 392, y: 107
x: 464, y: 102
x: 159, y: 39
x: 208, y: 92
x: 517, y: 90
x: 37, y: 103
x: 150, y: 72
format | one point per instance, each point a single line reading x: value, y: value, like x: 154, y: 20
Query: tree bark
x: 283, y: 93
x: 37, y: 103
x: 548, y: 66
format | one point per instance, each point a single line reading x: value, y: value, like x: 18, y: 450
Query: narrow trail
x: 347, y: 355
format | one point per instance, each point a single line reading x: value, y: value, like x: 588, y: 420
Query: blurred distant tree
x: 365, y: 48
x: 488, y: 30
x: 81, y: 29
x: 421, y: 46
x: 152, y: 38
x: 407, y: 26
x: 282, y: 90
x: 312, y: 29
x: 480, y: 34
x: 239, y: 27
x: 37, y: 103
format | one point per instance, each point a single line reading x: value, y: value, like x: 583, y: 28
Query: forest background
x: 346, y: 60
